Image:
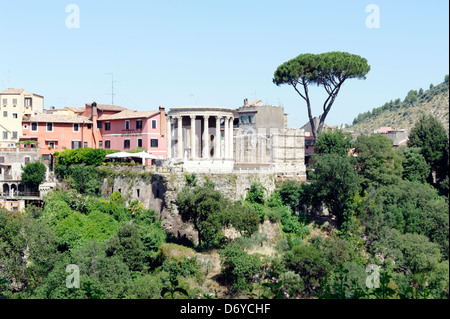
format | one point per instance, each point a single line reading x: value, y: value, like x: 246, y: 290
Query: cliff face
x: 158, y: 191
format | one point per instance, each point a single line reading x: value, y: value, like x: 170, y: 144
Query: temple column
x: 180, y: 137
x: 226, y: 136
x: 169, y: 137
x: 217, y: 139
x: 205, y: 153
x: 230, y: 137
x: 193, y: 150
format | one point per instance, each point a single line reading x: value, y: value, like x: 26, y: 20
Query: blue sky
x: 217, y: 52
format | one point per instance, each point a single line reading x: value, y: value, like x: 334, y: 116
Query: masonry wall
x: 159, y: 192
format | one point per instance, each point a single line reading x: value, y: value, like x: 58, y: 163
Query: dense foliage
x: 366, y: 206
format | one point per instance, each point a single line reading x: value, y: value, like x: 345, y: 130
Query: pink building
x: 56, y: 132
x: 128, y: 129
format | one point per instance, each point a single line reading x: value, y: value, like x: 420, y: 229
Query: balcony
x: 20, y: 195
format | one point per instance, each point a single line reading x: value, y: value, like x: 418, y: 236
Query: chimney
x: 162, y: 120
x: 94, y: 110
x: 94, y: 116
x: 245, y: 102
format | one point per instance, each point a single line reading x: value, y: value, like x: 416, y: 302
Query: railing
x: 19, y: 194
x: 19, y: 149
x: 129, y: 131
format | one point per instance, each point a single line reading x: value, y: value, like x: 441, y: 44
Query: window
x: 5, y: 113
x: 138, y: 124
x: 49, y: 127
x: 14, y: 135
x: 76, y: 127
x: 27, y: 160
x: 139, y: 142
x: 126, y: 144
x: 25, y: 126
x: 99, y: 125
x: 14, y: 102
x: 28, y: 101
x: 34, y: 127
x: 2, y: 159
x: 127, y: 124
x: 107, y: 126
x: 5, y: 135
x: 4, y: 101
x: 100, y: 144
x: 108, y: 144
x: 15, y: 115
x: 76, y: 145
x: 89, y: 126
x: 51, y: 145
x: 85, y: 144
x: 153, y: 124
x: 154, y: 142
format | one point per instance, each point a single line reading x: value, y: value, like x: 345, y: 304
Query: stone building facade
x: 201, y: 137
x: 11, y: 162
x: 251, y: 139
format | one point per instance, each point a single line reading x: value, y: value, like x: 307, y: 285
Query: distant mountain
x: 404, y: 114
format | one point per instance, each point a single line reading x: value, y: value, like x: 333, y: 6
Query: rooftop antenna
x: 112, y: 87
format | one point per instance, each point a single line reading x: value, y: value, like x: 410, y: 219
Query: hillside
x: 400, y: 114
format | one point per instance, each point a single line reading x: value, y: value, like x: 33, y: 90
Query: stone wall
x: 158, y: 191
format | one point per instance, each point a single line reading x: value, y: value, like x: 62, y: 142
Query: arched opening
x: 5, y: 189
x: 14, y: 189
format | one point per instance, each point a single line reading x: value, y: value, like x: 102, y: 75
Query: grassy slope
x: 406, y: 117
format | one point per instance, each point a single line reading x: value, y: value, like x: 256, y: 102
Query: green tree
x: 309, y: 263
x: 335, y: 180
x: 290, y: 194
x: 256, y: 194
x: 33, y: 174
x: 329, y: 70
x: 415, y: 168
x: 378, y: 162
x: 239, y: 267
x: 203, y: 206
x: 431, y: 137
x: 12, y: 250
x: 333, y: 142
x: 409, y: 207
x: 127, y: 244
x: 242, y: 217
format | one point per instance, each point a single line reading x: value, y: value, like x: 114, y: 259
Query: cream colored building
x: 15, y: 104
x: 201, y: 137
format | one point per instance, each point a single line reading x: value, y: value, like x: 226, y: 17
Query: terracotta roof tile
x: 58, y: 118
x: 128, y: 114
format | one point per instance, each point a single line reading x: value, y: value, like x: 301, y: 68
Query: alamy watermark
x: 73, y: 19
x: 373, y: 279
x: 73, y: 280
x: 373, y: 19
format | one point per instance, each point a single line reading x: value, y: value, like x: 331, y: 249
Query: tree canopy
x: 33, y: 174
x: 329, y: 70
x: 430, y: 136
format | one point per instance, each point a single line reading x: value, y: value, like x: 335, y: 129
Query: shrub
x: 309, y: 263
x: 239, y: 267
